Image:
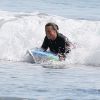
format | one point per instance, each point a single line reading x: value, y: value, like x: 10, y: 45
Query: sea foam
x: 22, y: 31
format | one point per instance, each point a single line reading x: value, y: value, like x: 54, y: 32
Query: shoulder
x: 46, y: 39
x: 61, y: 36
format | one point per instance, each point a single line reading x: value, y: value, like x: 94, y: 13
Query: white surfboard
x: 46, y: 59
x: 40, y: 56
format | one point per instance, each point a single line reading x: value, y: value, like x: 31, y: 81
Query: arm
x: 45, y: 44
x: 64, y: 48
x: 67, y: 45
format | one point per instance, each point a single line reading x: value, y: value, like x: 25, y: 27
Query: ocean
x: 78, y: 9
x: 22, y: 24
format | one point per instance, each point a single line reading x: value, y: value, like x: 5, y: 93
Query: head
x: 51, y: 30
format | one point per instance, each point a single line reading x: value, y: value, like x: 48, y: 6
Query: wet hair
x: 54, y: 26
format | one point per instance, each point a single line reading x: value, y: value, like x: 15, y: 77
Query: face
x: 51, y: 33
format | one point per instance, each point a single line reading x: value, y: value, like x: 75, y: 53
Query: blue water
x: 79, y: 9
x: 23, y: 80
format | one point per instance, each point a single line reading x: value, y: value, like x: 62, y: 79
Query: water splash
x: 22, y: 31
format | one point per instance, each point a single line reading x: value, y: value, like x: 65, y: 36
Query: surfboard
x: 46, y: 59
x: 39, y: 56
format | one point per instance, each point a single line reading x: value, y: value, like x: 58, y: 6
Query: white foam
x: 22, y: 31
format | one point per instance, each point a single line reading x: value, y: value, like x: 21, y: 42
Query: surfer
x: 55, y: 41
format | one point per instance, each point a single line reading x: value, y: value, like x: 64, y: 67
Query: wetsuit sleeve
x: 45, y: 44
x: 67, y: 46
x: 61, y: 43
x: 64, y: 47
x: 61, y: 51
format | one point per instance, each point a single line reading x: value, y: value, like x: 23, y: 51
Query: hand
x: 61, y: 57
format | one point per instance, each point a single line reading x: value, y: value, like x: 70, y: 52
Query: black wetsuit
x: 59, y: 45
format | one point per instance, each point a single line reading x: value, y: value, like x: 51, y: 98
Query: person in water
x: 55, y: 41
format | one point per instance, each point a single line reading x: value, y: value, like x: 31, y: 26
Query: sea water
x: 22, y: 24
x: 80, y: 9
x: 23, y: 81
